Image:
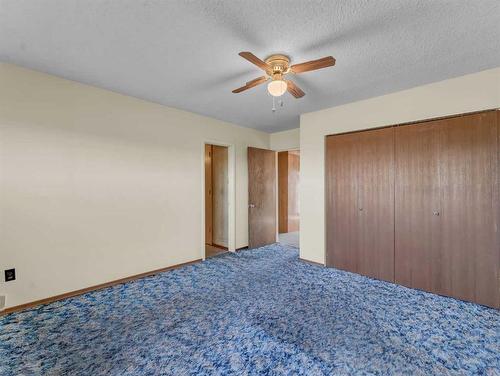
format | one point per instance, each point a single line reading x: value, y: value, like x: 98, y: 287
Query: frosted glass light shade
x: 277, y: 88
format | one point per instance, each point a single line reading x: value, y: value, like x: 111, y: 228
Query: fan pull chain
x: 280, y: 104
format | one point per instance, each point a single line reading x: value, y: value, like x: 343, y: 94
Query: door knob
x: 435, y: 213
x: 251, y: 206
x: 360, y: 209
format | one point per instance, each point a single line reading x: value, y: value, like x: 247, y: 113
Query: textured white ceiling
x: 184, y: 53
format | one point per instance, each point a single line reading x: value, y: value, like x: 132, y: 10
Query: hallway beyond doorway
x: 289, y: 238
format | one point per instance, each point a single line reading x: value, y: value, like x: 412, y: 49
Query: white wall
x: 469, y: 93
x: 285, y: 140
x: 96, y: 186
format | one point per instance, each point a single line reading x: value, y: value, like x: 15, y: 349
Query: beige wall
x: 285, y: 140
x: 96, y: 186
x: 469, y: 93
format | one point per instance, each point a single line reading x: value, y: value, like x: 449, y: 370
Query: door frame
x: 231, y: 192
x: 277, y: 189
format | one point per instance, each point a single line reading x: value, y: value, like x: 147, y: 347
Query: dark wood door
x: 375, y: 155
x: 261, y: 197
x: 469, y: 207
x: 342, y: 202
x: 360, y: 202
x: 418, y: 261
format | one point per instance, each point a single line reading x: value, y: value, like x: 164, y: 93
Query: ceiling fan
x: 276, y: 68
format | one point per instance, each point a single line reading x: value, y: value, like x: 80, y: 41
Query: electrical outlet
x: 10, y: 275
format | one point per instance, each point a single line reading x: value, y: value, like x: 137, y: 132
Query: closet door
x: 341, y: 202
x: 360, y: 202
x: 375, y: 161
x: 469, y: 207
x: 418, y: 261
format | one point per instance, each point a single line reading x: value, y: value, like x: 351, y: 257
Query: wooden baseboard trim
x: 311, y: 262
x: 219, y: 246
x: 71, y: 294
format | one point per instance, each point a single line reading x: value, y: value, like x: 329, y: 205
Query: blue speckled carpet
x: 254, y: 312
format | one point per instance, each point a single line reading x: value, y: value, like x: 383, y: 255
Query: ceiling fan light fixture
x: 276, y: 68
x: 277, y: 88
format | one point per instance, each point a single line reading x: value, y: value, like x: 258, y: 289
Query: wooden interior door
x: 293, y: 190
x: 469, y: 207
x: 220, y: 195
x: 341, y: 180
x: 418, y: 261
x: 208, y: 194
x: 261, y: 197
x: 288, y: 191
x: 375, y: 160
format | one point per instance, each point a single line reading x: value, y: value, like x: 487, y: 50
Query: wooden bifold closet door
x: 469, y: 208
x: 418, y: 258
x: 342, y: 202
x: 441, y: 182
x: 446, y: 207
x: 360, y: 186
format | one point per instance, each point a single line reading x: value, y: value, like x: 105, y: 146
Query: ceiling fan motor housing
x: 279, y: 66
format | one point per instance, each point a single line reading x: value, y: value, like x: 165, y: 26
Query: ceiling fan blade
x: 240, y: 89
x: 257, y: 81
x: 294, y: 89
x: 254, y: 60
x: 325, y: 62
x: 251, y: 84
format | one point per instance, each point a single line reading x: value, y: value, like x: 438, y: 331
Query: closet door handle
x: 436, y: 213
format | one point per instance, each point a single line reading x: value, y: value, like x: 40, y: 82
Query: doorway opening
x: 288, y: 197
x: 216, y: 200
